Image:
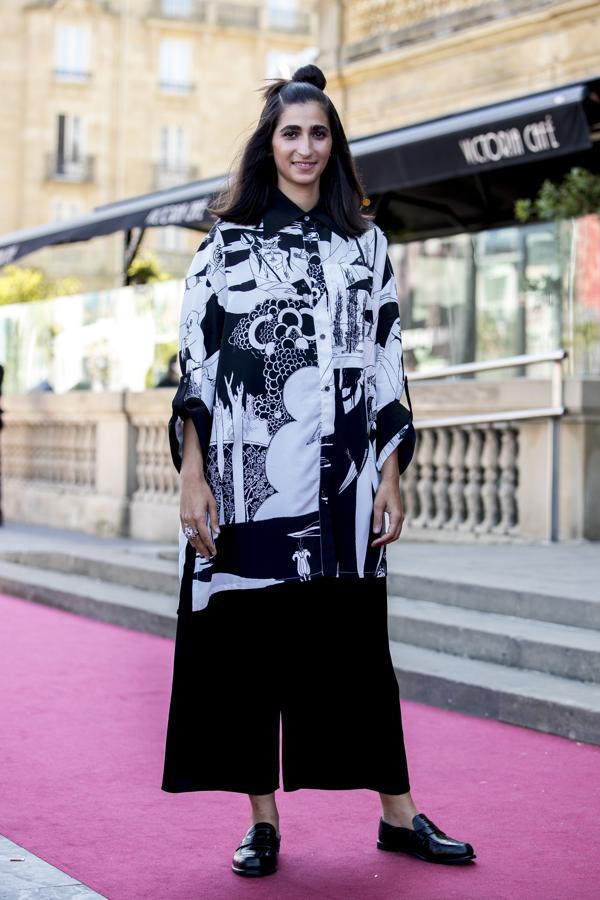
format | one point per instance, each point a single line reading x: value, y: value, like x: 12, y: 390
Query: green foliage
x: 145, y: 270
x: 21, y: 285
x: 578, y: 194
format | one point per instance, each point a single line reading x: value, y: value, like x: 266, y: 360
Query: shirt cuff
x: 188, y: 408
x: 392, y: 425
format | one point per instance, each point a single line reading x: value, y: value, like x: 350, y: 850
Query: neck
x: 304, y: 196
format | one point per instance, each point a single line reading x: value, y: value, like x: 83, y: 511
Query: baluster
x: 148, y: 480
x: 93, y: 451
x: 507, y: 490
x: 408, y: 488
x: 473, y: 486
x: 142, y: 480
x: 425, y: 481
x: 457, y: 477
x: 442, y: 477
x: 158, y: 469
x: 74, y: 436
x: 57, y: 456
x: 489, y: 488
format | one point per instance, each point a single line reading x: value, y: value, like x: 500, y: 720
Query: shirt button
x: 322, y: 336
x: 326, y: 387
x: 307, y: 218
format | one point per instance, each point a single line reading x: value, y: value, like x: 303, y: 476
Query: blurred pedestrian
x: 290, y: 437
x: 172, y: 375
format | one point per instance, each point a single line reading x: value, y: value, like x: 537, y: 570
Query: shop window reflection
x: 479, y: 297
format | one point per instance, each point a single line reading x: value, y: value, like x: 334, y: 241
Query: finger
x: 202, y: 542
x: 378, y: 510
x: 205, y: 536
x: 393, y: 531
x: 200, y: 547
x: 214, y: 516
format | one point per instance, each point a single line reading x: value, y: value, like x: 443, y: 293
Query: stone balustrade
x: 464, y: 479
x: 374, y: 26
x: 100, y: 462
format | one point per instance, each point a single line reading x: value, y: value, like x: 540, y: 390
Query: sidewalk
x: 571, y: 569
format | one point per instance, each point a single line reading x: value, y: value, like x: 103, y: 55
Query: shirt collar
x: 284, y: 211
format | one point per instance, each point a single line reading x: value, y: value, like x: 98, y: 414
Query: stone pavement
x: 24, y: 876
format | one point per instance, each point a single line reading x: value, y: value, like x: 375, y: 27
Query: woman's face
x: 301, y: 143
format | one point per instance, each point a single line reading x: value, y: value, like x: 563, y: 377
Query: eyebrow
x: 299, y: 127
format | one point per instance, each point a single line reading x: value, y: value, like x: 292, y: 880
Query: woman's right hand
x: 197, y: 505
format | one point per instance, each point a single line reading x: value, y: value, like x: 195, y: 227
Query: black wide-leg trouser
x: 313, y: 655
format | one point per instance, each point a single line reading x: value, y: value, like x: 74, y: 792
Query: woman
x: 286, y: 429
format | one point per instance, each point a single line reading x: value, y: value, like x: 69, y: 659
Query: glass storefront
x: 463, y: 298
x: 502, y: 292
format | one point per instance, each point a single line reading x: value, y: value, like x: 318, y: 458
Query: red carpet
x: 83, y: 716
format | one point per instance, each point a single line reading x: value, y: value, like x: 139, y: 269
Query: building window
x: 176, y: 8
x: 67, y: 162
x: 72, y: 53
x: 170, y: 239
x: 173, y: 150
x: 65, y: 210
x: 69, y: 147
x: 173, y: 167
x: 284, y: 15
x: 175, y: 66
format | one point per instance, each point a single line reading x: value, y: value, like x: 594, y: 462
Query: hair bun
x: 312, y: 74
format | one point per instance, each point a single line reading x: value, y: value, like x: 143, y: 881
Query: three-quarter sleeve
x: 391, y: 416
x: 200, y: 334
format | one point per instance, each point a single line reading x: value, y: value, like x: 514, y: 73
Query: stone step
x: 507, y: 640
x: 148, y: 572
x: 520, y: 696
x: 579, y: 612
x: 119, y: 604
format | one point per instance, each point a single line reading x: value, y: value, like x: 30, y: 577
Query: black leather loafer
x: 257, y: 853
x: 425, y: 842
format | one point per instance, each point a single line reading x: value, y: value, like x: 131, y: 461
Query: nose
x: 304, y: 146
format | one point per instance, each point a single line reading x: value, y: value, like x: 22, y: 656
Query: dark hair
x: 252, y: 187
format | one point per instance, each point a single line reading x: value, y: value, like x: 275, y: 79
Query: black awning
x: 492, y: 137
x: 423, y: 182
x: 184, y: 206
x: 461, y: 172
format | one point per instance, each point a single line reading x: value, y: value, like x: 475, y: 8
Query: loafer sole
x: 457, y: 861
x: 250, y: 873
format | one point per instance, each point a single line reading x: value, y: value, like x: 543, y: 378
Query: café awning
x: 184, y: 206
x: 464, y: 172
x: 461, y: 172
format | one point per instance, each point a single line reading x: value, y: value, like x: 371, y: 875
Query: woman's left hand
x: 388, y: 499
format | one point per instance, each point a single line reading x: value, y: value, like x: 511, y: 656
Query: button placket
x: 318, y: 285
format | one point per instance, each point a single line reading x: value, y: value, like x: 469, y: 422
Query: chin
x: 304, y: 177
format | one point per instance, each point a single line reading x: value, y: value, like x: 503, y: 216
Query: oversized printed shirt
x: 291, y: 355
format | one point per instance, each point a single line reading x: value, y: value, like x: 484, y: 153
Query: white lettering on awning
x: 504, y: 144
x: 7, y: 254
x: 176, y: 213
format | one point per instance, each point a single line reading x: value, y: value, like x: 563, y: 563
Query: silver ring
x: 190, y: 532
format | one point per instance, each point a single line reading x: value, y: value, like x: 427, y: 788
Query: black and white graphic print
x: 291, y: 356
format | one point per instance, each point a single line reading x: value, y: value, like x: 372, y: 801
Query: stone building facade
x: 104, y: 100
x: 393, y: 63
